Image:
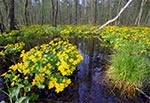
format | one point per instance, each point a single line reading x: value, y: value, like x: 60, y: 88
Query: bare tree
x: 54, y: 12
x: 76, y: 11
x: 73, y: 12
x: 12, y: 15
x: 43, y: 11
x: 26, y: 13
x: 93, y: 11
x: 138, y: 19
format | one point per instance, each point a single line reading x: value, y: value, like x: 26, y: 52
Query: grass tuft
x: 129, y: 68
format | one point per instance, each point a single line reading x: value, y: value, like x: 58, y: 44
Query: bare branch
x: 143, y: 93
x: 115, y: 18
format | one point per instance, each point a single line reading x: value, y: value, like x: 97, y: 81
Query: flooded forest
x: 74, y: 51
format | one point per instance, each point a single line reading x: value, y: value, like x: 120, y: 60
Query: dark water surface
x: 90, y: 73
x: 87, y: 85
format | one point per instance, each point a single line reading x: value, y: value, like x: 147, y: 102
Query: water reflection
x: 90, y: 90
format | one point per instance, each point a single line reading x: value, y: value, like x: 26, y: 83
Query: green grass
x: 129, y: 67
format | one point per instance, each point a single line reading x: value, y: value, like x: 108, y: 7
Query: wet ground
x: 88, y: 81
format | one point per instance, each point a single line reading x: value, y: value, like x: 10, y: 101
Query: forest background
x: 60, y: 12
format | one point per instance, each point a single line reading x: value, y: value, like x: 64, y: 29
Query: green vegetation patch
x: 129, y: 64
x: 45, y: 66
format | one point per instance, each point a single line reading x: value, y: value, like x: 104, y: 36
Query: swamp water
x: 88, y: 81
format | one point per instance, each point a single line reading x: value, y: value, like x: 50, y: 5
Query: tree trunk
x: 56, y: 13
x: 117, y: 22
x: 42, y: 12
x: 76, y: 11
x: 138, y: 19
x: 60, y: 15
x: 53, y: 12
x: 70, y: 22
x: 147, y: 19
x: 26, y: 13
x: 109, y: 9
x: 2, y: 27
x: 6, y: 19
x: 12, y: 15
x: 95, y: 11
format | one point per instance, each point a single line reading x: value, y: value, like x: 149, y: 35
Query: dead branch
x: 139, y: 90
x: 115, y: 18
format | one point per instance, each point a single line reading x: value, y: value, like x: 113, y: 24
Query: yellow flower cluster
x: 12, y: 48
x: 45, y: 31
x: 59, y: 86
x: 49, y: 64
x: 38, y: 79
x: 18, y: 45
x: 119, y: 36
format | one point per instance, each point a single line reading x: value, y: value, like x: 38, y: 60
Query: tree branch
x: 143, y: 93
x: 115, y: 18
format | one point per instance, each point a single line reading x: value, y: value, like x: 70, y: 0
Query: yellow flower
x: 49, y: 65
x: 52, y: 82
x: 38, y: 79
x: 4, y: 74
x: 15, y: 77
x: 104, y: 36
x: 62, y: 70
x: 25, y: 70
x: 59, y: 87
x: 12, y: 84
x: 50, y: 85
x: 75, y: 62
x: 79, y: 57
x: 58, y: 63
x: 26, y: 78
x: 68, y: 81
x: 14, y: 67
x: 71, y: 60
x: 38, y: 53
x: 116, y: 44
x: 33, y: 82
x: 143, y: 51
x: 47, y: 72
x: 102, y: 44
x: 43, y: 69
x: 64, y: 64
x: 148, y: 41
x: 1, y: 53
x: 32, y: 58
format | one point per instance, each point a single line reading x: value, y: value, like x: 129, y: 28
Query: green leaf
x: 41, y: 86
x: 2, y: 102
x: 23, y: 100
x: 14, y: 92
x: 34, y: 96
